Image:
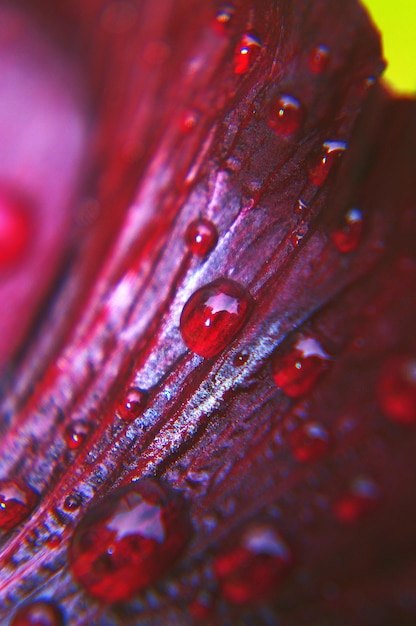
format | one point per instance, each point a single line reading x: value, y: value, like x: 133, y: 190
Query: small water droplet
x: 299, y: 370
x: 129, y: 540
x: 38, y: 613
x: 285, y: 115
x: 396, y: 389
x: 133, y: 404
x: 16, y: 230
x: 241, y: 359
x: 324, y: 160
x: 359, y: 500
x: 201, y: 237
x: 188, y: 121
x: 73, y: 502
x: 214, y: 315
x: 16, y: 502
x: 309, y: 442
x: 246, y: 52
x: 319, y: 58
x: 76, y: 433
x: 348, y: 236
x: 253, y: 569
x: 224, y: 17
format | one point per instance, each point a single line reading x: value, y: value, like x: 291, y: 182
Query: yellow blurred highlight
x: 396, y: 19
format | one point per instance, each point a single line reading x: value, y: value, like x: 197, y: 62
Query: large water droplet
x: 129, y: 540
x: 246, y: 52
x: 201, y: 237
x: 396, y: 389
x: 214, y: 315
x: 298, y: 371
x: 309, y: 442
x: 348, y: 236
x: 16, y: 502
x: 324, y: 160
x: 285, y: 115
x: 252, y: 570
x: 318, y: 60
x: 38, y: 613
x: 15, y: 230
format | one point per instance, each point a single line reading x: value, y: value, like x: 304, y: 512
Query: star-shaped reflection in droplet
x: 143, y: 519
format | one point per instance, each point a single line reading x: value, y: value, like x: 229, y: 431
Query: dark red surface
x: 174, y: 128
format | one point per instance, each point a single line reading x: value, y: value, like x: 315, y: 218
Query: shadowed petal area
x: 303, y: 486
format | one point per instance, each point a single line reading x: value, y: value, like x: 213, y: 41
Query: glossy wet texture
x: 129, y: 540
x: 213, y: 316
x: 178, y: 132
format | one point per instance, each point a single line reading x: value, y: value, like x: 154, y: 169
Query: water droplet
x: 214, y: 315
x: 252, y: 570
x: 15, y: 230
x: 224, y: 18
x: 298, y: 371
x: 188, y: 121
x: 73, y: 502
x: 309, y: 442
x: 347, y: 238
x: 129, y: 540
x: 396, y: 389
x: 324, y: 160
x: 285, y: 115
x: 133, y: 404
x: 16, y: 502
x: 241, y: 359
x: 201, y: 237
x: 38, y: 613
x: 246, y: 52
x: 76, y: 433
x: 360, y: 500
x: 318, y: 59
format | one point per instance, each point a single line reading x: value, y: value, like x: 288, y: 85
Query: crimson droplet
x: 319, y: 59
x: 309, y: 442
x: 357, y: 502
x: 396, y: 389
x: 297, y: 371
x: 285, y: 115
x: 347, y: 238
x: 133, y: 404
x: 324, y: 161
x: 253, y: 569
x: 246, y: 52
x: 16, y: 502
x: 129, y: 540
x: 201, y: 237
x: 38, y: 613
x: 214, y: 315
x: 15, y: 230
x: 224, y: 18
x: 75, y: 434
